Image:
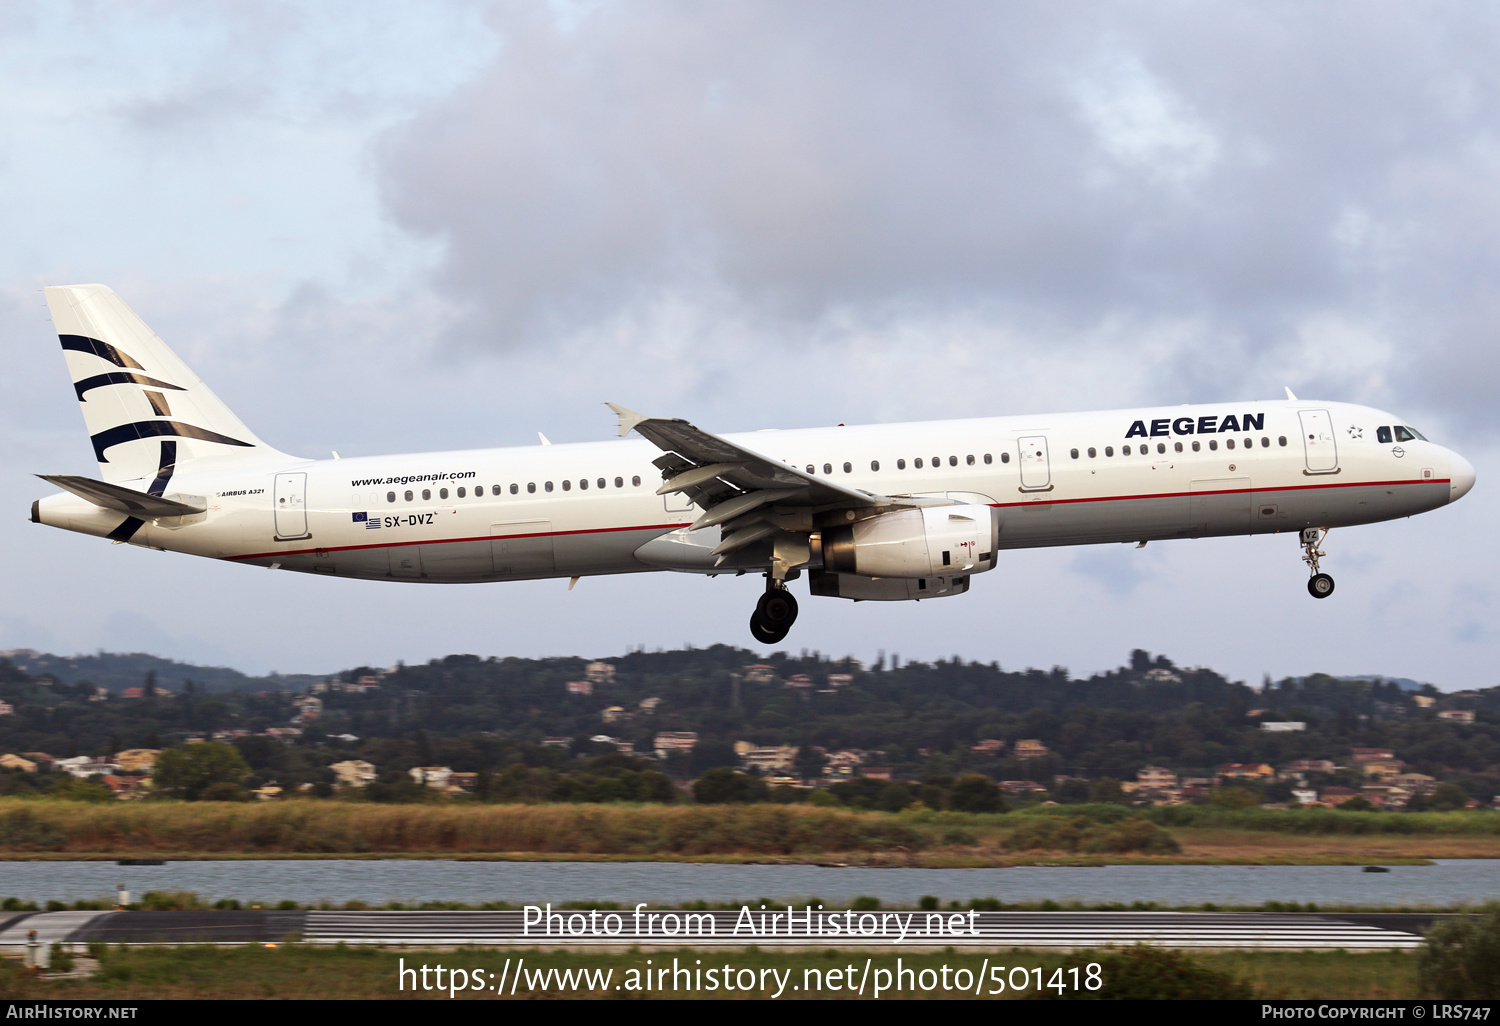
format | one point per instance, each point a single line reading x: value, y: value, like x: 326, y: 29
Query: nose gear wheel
x: 1320, y: 585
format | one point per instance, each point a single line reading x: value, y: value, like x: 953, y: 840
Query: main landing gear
x: 774, y: 613
x: 1320, y: 585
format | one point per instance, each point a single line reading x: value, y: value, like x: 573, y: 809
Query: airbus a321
x: 892, y: 512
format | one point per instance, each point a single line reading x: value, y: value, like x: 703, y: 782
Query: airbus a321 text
x: 886, y: 512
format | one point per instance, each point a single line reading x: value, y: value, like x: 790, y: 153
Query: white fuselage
x: 583, y: 509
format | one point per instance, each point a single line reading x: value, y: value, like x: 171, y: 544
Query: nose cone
x: 1461, y: 476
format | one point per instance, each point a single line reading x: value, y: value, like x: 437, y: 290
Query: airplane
x: 892, y: 512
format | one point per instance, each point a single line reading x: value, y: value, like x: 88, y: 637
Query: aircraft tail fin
x: 146, y: 412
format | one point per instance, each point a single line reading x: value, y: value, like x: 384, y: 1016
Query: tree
x: 1446, y: 797
x: 1073, y: 791
x: 1105, y: 790
x: 974, y: 792
x: 187, y: 772
x: 723, y: 786
x: 809, y: 762
x: 1461, y: 957
x: 894, y: 797
x: 709, y: 755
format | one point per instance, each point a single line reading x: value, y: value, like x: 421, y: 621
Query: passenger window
x: 461, y: 492
x: 619, y: 483
x: 547, y: 486
x: 900, y: 464
x: 390, y: 496
x: 513, y: 489
x: 1161, y: 447
x: 917, y: 463
x: 1005, y: 457
x: 875, y: 465
x: 1213, y: 445
x: 828, y: 468
x: 567, y: 486
x: 1265, y: 443
x: 952, y: 461
x: 1109, y: 450
x: 848, y: 468
x: 987, y: 460
x: 811, y: 469
x: 408, y: 495
x: 602, y: 483
x: 1197, y: 445
x: 1281, y: 439
x: 1177, y: 446
x: 1073, y: 453
x: 531, y: 487
x: 442, y: 493
x: 1124, y: 450
x: 426, y: 494
x: 636, y: 481
x: 1093, y: 452
x: 1249, y: 443
x: 937, y: 461
x: 1229, y: 443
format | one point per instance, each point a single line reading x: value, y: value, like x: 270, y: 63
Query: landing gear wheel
x: 763, y: 634
x: 1320, y: 586
x: 777, y: 609
x: 774, y: 615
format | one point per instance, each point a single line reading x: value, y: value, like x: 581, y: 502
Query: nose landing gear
x: 774, y: 613
x: 1320, y: 585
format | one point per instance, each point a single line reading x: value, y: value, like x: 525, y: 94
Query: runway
x: 664, y: 928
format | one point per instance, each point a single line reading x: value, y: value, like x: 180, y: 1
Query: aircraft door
x: 1036, y: 469
x: 290, y: 497
x: 1318, y: 442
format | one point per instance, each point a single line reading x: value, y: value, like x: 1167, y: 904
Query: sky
x: 395, y: 226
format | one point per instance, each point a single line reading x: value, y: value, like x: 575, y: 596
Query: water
x: 1449, y: 882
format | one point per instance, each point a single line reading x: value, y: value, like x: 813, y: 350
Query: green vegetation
x: 210, y: 771
x: 323, y: 828
x: 926, y: 721
x: 1079, y: 834
x: 1461, y: 959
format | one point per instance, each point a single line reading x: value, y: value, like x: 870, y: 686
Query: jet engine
x: 934, y: 541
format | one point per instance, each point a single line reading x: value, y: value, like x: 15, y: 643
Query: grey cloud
x: 1310, y: 186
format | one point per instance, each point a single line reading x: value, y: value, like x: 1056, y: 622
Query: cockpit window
x: 1383, y: 434
x: 1407, y: 434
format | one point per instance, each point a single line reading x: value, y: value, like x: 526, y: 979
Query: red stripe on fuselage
x: 672, y: 527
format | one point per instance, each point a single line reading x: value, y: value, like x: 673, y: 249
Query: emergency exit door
x: 290, y: 497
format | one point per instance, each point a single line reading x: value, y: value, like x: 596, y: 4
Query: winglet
x: 628, y: 418
x: 1289, y: 394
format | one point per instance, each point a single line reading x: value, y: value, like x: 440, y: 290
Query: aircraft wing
x: 749, y: 495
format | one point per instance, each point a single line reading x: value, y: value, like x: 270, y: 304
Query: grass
x: 51, y: 829
x: 296, y: 972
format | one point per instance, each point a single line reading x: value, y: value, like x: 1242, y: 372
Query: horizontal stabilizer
x: 124, y: 500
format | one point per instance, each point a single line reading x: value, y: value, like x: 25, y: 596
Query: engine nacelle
x: 884, y: 589
x: 934, y: 541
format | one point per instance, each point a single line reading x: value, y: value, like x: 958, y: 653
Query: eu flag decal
x: 371, y: 523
